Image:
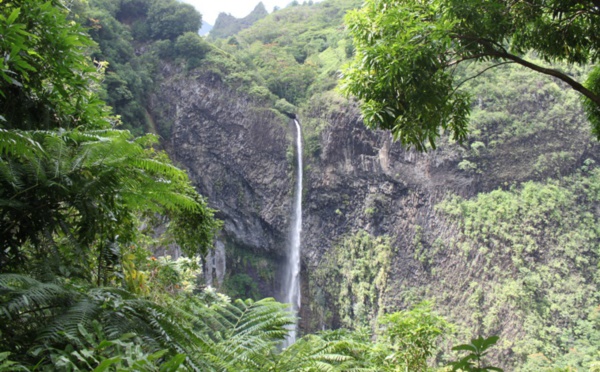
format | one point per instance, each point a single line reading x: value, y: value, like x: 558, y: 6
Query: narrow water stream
x: 291, y: 290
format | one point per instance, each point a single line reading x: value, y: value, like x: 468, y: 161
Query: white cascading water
x: 291, y: 290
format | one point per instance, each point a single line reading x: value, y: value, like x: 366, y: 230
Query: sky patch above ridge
x: 237, y: 8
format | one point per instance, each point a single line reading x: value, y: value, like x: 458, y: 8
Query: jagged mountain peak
x: 227, y: 25
x: 259, y: 9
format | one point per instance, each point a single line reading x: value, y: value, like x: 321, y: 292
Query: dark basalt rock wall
x: 235, y: 152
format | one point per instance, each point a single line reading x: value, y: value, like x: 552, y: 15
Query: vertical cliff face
x: 239, y: 155
x: 362, y: 180
x: 235, y: 152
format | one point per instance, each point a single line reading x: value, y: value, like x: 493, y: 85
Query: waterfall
x: 291, y: 289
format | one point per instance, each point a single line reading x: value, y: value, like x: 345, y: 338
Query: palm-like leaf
x: 220, y: 336
x: 327, y: 351
x: 87, y: 185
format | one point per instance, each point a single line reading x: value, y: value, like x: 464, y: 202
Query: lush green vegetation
x: 63, y: 156
x: 538, y: 242
x: 79, y: 196
x: 133, y: 37
x: 295, y: 52
x: 79, y: 289
x: 408, y: 51
x: 352, y: 280
x: 513, y: 124
x: 544, y: 211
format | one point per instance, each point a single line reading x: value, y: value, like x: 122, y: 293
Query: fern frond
x: 328, y: 351
x: 160, y: 168
x: 81, y: 313
x: 18, y: 144
x: 27, y: 296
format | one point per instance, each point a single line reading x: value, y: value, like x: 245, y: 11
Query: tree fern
x: 89, y: 185
x: 63, y: 170
x: 327, y: 351
x: 36, y: 317
x: 39, y: 320
x: 17, y: 143
x: 253, y: 329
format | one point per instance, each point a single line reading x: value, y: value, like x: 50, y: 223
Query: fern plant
x: 7, y: 365
x: 37, y: 317
x: 214, y: 333
x: 92, y: 351
x: 339, y: 350
x: 70, y: 184
x: 90, y: 186
x: 234, y: 336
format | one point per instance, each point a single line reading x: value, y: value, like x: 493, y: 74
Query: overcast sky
x: 210, y: 9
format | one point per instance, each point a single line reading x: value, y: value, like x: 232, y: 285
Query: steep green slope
x: 134, y: 37
x: 530, y: 253
x: 296, y: 51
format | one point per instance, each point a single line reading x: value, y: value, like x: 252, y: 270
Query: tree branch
x: 555, y: 73
x: 502, y: 53
x: 467, y: 58
x: 480, y: 73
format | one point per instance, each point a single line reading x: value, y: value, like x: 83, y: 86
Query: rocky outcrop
x: 235, y: 152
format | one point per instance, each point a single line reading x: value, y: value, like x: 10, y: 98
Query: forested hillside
x: 489, y: 240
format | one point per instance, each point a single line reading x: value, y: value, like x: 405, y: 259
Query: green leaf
x: 106, y: 363
x: 489, y: 342
x: 157, y: 355
x: 13, y: 16
x: 173, y: 364
x: 466, y: 347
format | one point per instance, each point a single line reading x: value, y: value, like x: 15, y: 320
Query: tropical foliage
x: 133, y: 37
x: 408, y: 51
x: 44, y: 323
x: 294, y: 52
x: 77, y: 328
x: 73, y: 190
x: 509, y: 229
x: 353, y: 277
x: 61, y: 156
x: 473, y: 361
x: 73, y: 193
x: 79, y: 197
